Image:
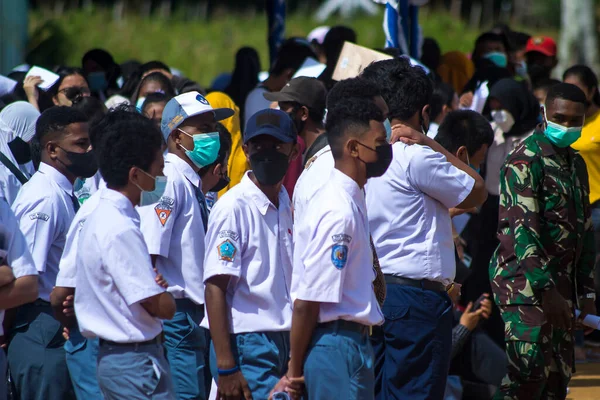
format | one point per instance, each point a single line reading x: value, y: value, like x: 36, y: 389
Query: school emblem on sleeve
x: 227, y: 251
x: 164, y: 208
x: 339, y: 255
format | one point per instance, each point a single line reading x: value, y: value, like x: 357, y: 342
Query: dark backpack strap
x: 15, y: 171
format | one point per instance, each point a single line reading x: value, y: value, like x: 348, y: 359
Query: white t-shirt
x: 255, y: 101
x: 408, y: 213
x: 114, y: 274
x: 173, y: 230
x: 333, y: 261
x: 250, y: 240
x: 45, y: 210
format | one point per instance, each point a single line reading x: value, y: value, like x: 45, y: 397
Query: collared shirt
x: 114, y: 274
x: 9, y: 184
x: 433, y: 130
x: 44, y: 209
x: 173, y: 230
x: 88, y: 187
x: 250, y: 240
x: 333, y: 262
x: 313, y: 178
x: 408, y: 213
x: 67, y: 268
x: 545, y: 230
x: 13, y: 248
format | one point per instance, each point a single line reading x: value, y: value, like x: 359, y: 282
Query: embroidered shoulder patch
x: 227, y: 251
x: 164, y: 208
x: 40, y: 216
x: 341, y: 238
x: 229, y: 235
x: 339, y: 255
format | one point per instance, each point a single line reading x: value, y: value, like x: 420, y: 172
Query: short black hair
x: 64, y: 72
x: 53, y: 122
x: 291, y: 55
x: 123, y: 139
x: 334, y: 42
x: 545, y: 84
x: 352, y: 87
x: 224, y: 149
x: 488, y: 37
x: 405, y: 89
x: 566, y: 91
x: 587, y: 77
x: 443, y: 94
x: 155, y: 98
x: 432, y: 53
x: 465, y: 128
x: 161, y: 79
x: 350, y: 117
x: 92, y: 107
x: 150, y: 65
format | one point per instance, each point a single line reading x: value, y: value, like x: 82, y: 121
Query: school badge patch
x: 227, y: 251
x: 339, y: 255
x: 163, y: 209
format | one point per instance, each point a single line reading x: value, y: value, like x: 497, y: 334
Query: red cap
x: 541, y: 44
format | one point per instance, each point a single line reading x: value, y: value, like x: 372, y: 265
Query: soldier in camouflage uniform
x: 543, y: 266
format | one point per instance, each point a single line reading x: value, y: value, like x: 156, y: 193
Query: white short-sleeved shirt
x: 67, y: 268
x: 44, y: 209
x: 313, y: 178
x: 114, y: 274
x: 408, y: 213
x: 255, y: 101
x: 174, y: 231
x: 250, y: 240
x: 333, y: 261
x: 13, y: 248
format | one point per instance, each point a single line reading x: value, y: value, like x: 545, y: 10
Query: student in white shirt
x: 18, y: 276
x: 119, y: 298
x: 335, y: 305
x: 45, y: 208
x: 173, y: 226
x: 410, y: 222
x: 17, y: 128
x: 248, y: 265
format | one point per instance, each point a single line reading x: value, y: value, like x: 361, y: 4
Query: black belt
x: 341, y: 324
x: 421, y: 283
x: 157, y: 340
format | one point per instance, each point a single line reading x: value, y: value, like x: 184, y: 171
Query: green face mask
x: 562, y: 136
x: 497, y: 58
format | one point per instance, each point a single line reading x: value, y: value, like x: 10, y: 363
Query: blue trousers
x: 339, y: 365
x: 82, y: 358
x: 36, y: 356
x: 134, y: 372
x: 262, y: 357
x: 188, y: 352
x: 412, y: 348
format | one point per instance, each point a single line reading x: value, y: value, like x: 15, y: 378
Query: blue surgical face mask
x: 560, y: 135
x: 148, y: 197
x: 471, y: 165
x: 497, y: 58
x: 139, y: 103
x: 521, y: 69
x: 388, y: 129
x: 97, y: 81
x: 206, y: 148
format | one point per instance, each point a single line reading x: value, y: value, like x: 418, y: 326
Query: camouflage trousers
x: 540, y: 357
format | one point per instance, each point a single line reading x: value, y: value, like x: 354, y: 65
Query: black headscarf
x: 520, y: 102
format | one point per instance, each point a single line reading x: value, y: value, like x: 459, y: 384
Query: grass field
x: 201, y: 49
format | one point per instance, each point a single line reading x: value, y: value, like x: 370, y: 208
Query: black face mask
x: 269, y: 166
x: 222, y: 184
x: 384, y: 159
x: 538, y: 72
x: 298, y: 123
x: 20, y: 150
x: 82, y: 165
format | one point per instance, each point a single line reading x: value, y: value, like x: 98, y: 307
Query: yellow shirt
x: 588, y: 146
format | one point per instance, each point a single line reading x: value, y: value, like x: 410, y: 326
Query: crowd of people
x: 378, y: 237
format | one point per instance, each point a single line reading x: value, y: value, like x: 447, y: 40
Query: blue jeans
x: 187, y: 350
x: 134, y: 372
x: 82, y: 358
x: 412, y: 348
x: 339, y: 365
x: 36, y: 356
x: 262, y: 357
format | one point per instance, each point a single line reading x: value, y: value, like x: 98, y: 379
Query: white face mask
x: 504, y: 120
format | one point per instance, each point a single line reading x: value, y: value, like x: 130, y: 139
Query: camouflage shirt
x: 545, y: 230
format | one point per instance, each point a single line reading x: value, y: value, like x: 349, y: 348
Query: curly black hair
x: 465, y: 128
x: 353, y: 87
x: 349, y: 118
x: 53, y: 122
x: 405, y: 88
x: 123, y: 139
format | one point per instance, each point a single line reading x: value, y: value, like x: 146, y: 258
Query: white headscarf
x: 17, y: 120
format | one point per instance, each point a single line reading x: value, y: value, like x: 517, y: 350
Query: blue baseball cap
x: 185, y: 106
x: 274, y: 123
